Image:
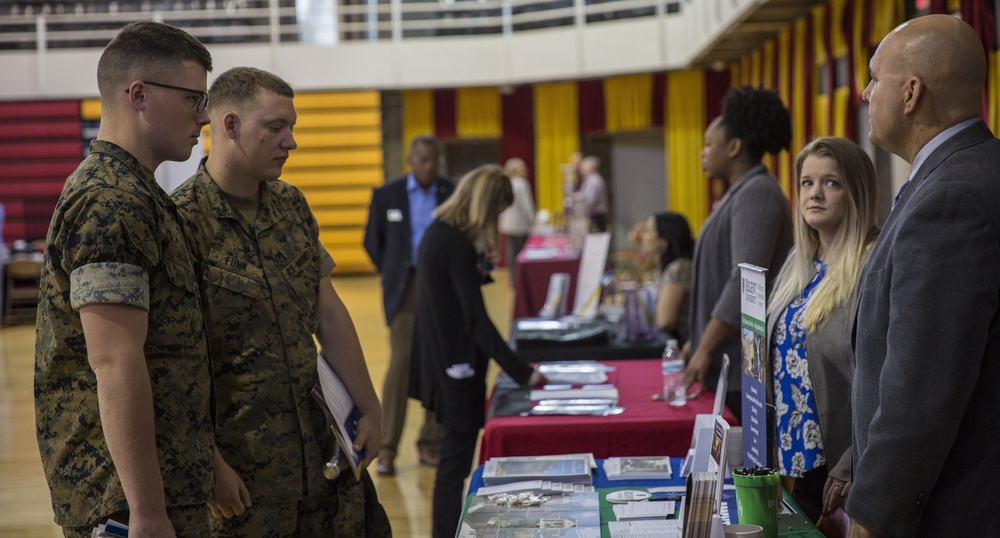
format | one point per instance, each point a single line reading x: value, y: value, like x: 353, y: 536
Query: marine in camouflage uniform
x: 115, y: 238
x: 259, y: 286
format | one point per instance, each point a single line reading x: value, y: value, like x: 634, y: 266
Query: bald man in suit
x: 927, y: 385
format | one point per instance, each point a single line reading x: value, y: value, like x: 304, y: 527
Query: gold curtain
x: 993, y: 87
x: 886, y: 15
x: 860, y: 47
x: 841, y: 94
x: 628, y: 102
x: 784, y: 47
x: 477, y: 113
x: 684, y: 132
x: 556, y: 137
x: 802, y: 69
x: 755, y: 60
x: 418, y: 115
x: 821, y: 100
x: 767, y: 65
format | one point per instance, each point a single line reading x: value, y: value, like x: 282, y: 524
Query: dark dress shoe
x: 429, y: 457
x: 385, y: 468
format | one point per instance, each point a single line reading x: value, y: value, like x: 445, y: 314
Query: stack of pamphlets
x: 573, y: 469
x: 638, y: 468
x: 699, y: 504
x: 111, y: 529
x: 575, y: 515
x: 543, y: 487
x: 569, y: 400
x: 575, y: 372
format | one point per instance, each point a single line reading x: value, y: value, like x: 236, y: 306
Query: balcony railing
x: 64, y: 24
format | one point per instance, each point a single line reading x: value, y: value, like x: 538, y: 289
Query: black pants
x: 456, y: 449
x: 808, y: 492
x: 734, y: 401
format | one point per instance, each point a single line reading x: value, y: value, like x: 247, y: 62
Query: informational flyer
x: 588, y: 281
x: 753, y: 310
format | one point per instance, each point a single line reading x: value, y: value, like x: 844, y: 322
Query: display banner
x: 753, y: 312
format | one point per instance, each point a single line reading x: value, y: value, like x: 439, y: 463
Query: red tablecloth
x: 646, y: 428
x: 531, y: 278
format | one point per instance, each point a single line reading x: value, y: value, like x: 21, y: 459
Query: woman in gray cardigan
x: 810, y: 318
x: 751, y: 224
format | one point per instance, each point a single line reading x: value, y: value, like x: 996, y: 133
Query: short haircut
x: 240, y: 86
x: 758, y: 118
x: 144, y: 50
x: 425, y: 140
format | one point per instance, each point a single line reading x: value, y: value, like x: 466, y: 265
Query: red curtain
x: 590, y: 99
x: 518, y: 128
x: 659, y: 99
x: 444, y: 113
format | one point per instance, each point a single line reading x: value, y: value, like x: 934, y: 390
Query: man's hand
x: 834, y: 494
x: 368, y: 438
x: 231, y: 495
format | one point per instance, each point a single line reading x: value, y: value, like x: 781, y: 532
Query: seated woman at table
x: 666, y: 237
x: 810, y: 317
x: 453, y: 336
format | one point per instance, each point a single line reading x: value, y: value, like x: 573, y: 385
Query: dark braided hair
x: 758, y: 118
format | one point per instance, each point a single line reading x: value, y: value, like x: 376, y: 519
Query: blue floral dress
x: 800, y: 440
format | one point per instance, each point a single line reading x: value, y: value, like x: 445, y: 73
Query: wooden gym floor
x: 25, y: 508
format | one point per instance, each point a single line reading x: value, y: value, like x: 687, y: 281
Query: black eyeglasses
x: 203, y: 96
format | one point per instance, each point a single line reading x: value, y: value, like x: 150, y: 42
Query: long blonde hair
x: 855, y: 236
x: 476, y: 203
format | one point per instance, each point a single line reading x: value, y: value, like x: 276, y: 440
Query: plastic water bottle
x: 673, y: 375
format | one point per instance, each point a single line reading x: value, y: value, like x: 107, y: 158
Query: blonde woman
x: 810, y: 318
x: 454, y: 337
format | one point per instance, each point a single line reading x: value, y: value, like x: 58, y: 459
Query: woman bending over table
x: 810, y: 317
x: 453, y: 337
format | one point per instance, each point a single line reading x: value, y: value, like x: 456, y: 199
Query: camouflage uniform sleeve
x: 326, y: 263
x: 109, y: 282
x: 111, y: 250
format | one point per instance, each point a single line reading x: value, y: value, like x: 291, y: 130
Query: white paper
x: 340, y: 410
x: 644, y: 510
x: 666, y: 528
x: 588, y: 280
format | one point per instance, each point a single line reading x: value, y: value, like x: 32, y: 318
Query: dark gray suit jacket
x: 927, y: 385
x: 752, y: 224
x: 387, y: 237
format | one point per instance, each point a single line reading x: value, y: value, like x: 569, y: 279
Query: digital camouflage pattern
x: 260, y: 288
x: 115, y: 238
x: 351, y: 509
x: 188, y: 521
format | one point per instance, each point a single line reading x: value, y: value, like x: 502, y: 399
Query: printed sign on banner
x: 753, y: 309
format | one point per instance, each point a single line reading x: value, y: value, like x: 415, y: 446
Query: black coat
x: 387, y: 237
x: 452, y: 328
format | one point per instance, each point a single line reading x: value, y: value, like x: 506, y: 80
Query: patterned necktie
x: 900, y: 193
